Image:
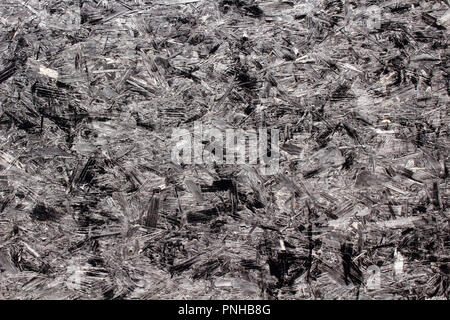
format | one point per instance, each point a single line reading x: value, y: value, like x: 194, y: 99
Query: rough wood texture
x: 92, y: 207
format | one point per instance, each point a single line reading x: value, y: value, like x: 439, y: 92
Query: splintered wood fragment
x: 352, y: 273
x: 282, y: 245
x: 44, y: 91
x: 234, y: 198
x: 81, y: 178
x: 436, y: 195
x: 291, y: 148
x: 221, y: 100
x: 26, y: 5
x: 108, y: 71
x: 183, y: 266
x: 48, y: 72
x: 399, y: 223
x: 137, y: 83
x: 31, y: 250
x: 125, y: 77
x: 393, y: 188
x: 113, y: 16
x: 7, y: 73
x: 151, y: 218
x: 125, y: 5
